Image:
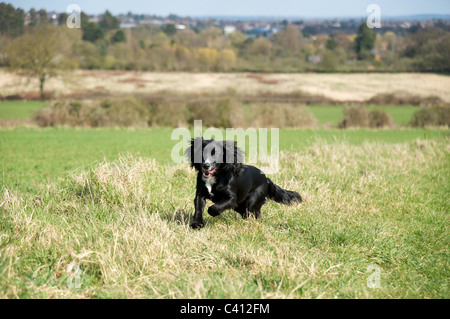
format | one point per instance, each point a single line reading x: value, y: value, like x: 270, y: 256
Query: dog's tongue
x: 209, y: 173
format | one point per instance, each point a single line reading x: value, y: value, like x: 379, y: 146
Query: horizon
x: 325, y: 9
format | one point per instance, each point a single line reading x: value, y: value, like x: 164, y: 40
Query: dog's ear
x: 194, y: 152
x: 233, y: 157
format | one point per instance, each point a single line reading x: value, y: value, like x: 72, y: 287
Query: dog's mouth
x: 208, y: 174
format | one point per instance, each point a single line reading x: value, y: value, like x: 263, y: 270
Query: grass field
x: 111, y: 202
x: 19, y: 110
x: 31, y: 156
x: 337, y: 86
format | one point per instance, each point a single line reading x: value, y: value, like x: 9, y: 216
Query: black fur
x: 243, y: 188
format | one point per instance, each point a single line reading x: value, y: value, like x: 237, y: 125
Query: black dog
x: 223, y: 179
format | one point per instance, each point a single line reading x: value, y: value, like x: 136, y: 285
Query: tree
x: 169, y: 29
x: 260, y: 46
x: 87, y: 54
x: 62, y: 18
x: 208, y: 58
x: 329, y: 61
x: 43, y: 19
x: 227, y: 60
x: 237, y: 39
x: 38, y: 18
x: 288, y: 40
x: 435, y: 55
x: 119, y: 36
x: 109, y: 22
x: 34, y: 18
x: 331, y: 42
x: 11, y: 20
x: 92, y: 32
x: 365, y: 41
x: 38, y: 53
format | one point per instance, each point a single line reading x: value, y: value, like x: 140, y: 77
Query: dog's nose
x: 206, y: 166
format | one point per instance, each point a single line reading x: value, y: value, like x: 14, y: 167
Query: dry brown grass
x: 126, y: 225
x: 338, y: 87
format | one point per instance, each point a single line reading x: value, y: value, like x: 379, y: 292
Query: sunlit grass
x: 125, y: 223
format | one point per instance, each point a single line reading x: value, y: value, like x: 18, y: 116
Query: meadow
x: 19, y: 110
x: 107, y: 209
x: 30, y: 156
x: 103, y: 212
x: 339, y: 86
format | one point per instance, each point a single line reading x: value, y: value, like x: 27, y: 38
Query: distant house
x: 314, y: 58
x: 256, y: 32
x: 229, y: 29
x: 377, y: 54
x: 127, y: 25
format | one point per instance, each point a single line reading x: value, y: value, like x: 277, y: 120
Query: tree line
x: 43, y: 46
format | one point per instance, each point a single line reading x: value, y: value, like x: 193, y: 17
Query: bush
x: 165, y: 113
x: 213, y: 112
x: 355, y: 117
x: 158, y: 111
x: 404, y: 98
x: 329, y: 61
x: 379, y: 118
x: 126, y: 112
x: 278, y: 115
x: 431, y: 116
x: 361, y: 117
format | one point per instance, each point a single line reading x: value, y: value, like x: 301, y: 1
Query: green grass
x: 19, y: 110
x: 370, y: 198
x: 31, y: 156
x: 333, y: 114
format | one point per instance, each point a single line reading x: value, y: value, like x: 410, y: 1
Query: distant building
x: 314, y: 58
x: 256, y: 32
x: 229, y: 29
x: 127, y: 25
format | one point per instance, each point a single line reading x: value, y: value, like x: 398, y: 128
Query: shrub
x: 431, y: 116
x: 165, y: 113
x: 213, y: 112
x: 329, y: 61
x: 404, y: 98
x: 379, y: 118
x: 278, y: 115
x: 355, y: 117
x: 126, y: 112
x: 361, y: 117
x: 158, y: 111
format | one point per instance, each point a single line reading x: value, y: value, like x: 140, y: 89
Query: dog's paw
x: 197, y: 225
x: 213, y: 211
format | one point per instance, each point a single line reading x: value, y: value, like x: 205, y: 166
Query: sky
x: 278, y: 8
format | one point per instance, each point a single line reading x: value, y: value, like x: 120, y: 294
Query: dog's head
x: 210, y: 156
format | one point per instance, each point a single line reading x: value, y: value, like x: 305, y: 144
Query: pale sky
x: 287, y: 8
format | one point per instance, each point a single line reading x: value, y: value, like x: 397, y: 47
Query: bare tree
x: 39, y: 53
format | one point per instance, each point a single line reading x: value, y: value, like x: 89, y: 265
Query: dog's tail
x: 283, y: 196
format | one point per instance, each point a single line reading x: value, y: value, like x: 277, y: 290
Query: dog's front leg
x: 219, y: 207
x: 199, y: 203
